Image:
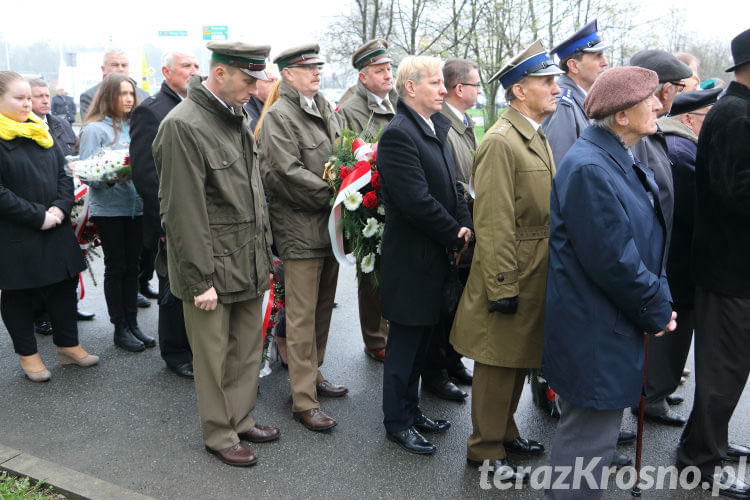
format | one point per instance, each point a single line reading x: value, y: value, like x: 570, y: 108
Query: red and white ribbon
x: 362, y: 151
x: 267, y: 308
x: 355, y: 181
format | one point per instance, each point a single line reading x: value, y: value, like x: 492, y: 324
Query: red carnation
x: 375, y: 181
x: 370, y: 200
x: 126, y: 161
x: 343, y: 172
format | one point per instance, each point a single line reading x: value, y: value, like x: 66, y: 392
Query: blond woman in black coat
x: 38, y: 251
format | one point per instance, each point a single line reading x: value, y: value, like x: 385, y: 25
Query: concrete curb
x: 71, y: 483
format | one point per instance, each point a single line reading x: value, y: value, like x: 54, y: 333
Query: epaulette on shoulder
x: 566, y: 97
x: 502, y: 128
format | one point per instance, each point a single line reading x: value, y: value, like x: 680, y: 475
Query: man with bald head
x: 177, y: 68
x: 115, y: 61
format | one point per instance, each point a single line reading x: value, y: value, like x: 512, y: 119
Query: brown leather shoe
x: 238, y: 455
x: 260, y: 434
x: 376, y: 354
x: 315, y: 419
x: 329, y: 390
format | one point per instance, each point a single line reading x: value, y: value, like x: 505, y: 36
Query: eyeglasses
x: 680, y: 86
x: 697, y: 114
x: 477, y: 85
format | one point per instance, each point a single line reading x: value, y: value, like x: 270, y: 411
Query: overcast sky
x: 281, y: 23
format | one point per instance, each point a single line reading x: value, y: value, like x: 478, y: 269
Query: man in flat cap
x: 254, y: 106
x: 295, y: 141
x: 443, y: 367
x: 368, y: 109
x: 500, y: 316
x: 606, y: 283
x: 721, y: 268
x: 218, y: 238
x: 582, y: 59
x: 652, y: 152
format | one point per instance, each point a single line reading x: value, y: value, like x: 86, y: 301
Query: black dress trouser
x: 722, y: 365
x: 122, y: 239
x: 405, y: 354
x: 58, y: 300
x: 173, y: 341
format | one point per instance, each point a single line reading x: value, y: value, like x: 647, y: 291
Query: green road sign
x: 215, y: 33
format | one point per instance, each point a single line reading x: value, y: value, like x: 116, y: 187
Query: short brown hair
x: 456, y: 71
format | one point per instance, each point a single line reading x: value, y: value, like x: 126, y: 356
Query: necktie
x: 466, y: 121
x: 387, y: 105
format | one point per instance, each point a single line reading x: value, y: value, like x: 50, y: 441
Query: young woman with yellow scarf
x: 39, y: 255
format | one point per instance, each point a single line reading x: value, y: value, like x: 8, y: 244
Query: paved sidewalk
x: 132, y: 423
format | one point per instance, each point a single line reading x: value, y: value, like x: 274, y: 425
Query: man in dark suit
x: 721, y: 269
x: 64, y: 106
x: 426, y: 218
x: 144, y: 124
x: 254, y: 106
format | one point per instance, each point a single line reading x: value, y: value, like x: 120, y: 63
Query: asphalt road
x: 131, y: 422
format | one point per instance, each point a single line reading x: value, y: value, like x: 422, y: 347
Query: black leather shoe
x: 84, y: 316
x: 727, y: 485
x: 668, y: 418
x: 149, y: 292
x: 524, y: 446
x: 461, y: 375
x: 124, y: 338
x: 736, y: 451
x: 137, y: 333
x: 443, y: 388
x: 142, y: 301
x: 673, y: 399
x: 503, y: 469
x: 183, y: 369
x: 412, y: 441
x: 620, y: 460
x: 424, y: 424
x: 43, y: 328
x: 625, y: 437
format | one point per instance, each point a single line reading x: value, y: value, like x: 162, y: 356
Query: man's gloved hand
x: 505, y: 306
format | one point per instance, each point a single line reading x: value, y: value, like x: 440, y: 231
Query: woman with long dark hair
x: 116, y: 209
x: 39, y: 253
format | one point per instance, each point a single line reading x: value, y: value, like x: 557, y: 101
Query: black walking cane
x: 636, y: 491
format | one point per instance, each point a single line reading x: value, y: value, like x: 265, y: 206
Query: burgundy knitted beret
x: 619, y: 88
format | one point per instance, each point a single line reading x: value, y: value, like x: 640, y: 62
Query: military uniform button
x: 226, y: 251
x: 314, y: 145
x: 500, y: 277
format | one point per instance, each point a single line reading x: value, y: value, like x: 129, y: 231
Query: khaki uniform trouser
x: 227, y: 346
x: 310, y: 287
x: 371, y: 320
x: 495, y: 392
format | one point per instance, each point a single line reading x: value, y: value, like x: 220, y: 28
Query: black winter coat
x: 721, y: 234
x: 144, y: 124
x: 63, y: 134
x: 32, y: 179
x: 424, y: 210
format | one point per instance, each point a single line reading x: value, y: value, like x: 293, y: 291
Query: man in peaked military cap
x: 370, y: 105
x: 582, y: 59
x: 295, y: 140
x: 214, y: 214
x: 499, y: 323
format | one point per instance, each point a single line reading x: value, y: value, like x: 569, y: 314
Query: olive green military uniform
x: 214, y: 214
x: 295, y: 142
x: 513, y: 173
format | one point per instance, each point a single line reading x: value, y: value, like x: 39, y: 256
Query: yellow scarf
x: 34, y: 129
